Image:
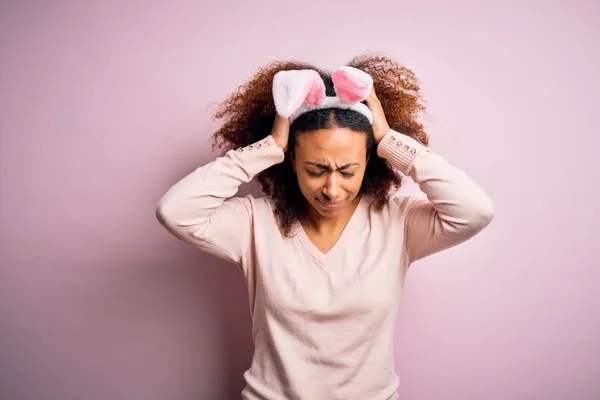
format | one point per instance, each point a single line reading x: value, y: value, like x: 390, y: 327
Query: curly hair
x: 248, y: 115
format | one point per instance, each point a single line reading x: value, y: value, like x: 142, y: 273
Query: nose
x: 332, y: 189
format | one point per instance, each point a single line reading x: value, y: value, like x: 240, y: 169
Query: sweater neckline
x: 337, y: 248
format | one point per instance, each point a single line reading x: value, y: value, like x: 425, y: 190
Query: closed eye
x: 326, y: 168
x: 318, y: 174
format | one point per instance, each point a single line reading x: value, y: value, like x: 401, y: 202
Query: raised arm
x: 201, y: 210
x: 456, y: 208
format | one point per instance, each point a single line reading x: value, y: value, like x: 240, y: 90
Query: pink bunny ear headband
x: 299, y: 91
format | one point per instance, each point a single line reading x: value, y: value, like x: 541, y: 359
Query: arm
x: 201, y: 210
x: 456, y: 208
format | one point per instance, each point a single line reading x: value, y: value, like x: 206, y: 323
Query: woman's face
x: 330, y: 165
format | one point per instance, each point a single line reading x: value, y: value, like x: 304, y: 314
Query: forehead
x: 337, y: 143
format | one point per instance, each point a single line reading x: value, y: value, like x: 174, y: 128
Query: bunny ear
x: 351, y: 84
x: 292, y: 89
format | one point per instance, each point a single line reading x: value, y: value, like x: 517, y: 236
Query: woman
x: 325, y: 252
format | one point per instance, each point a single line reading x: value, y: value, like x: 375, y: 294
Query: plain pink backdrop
x: 104, y: 105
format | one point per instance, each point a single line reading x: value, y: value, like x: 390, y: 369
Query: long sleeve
x: 456, y: 208
x: 201, y: 208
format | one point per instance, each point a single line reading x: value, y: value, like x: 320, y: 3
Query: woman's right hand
x: 281, y: 131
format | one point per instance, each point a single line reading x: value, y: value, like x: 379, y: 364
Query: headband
x: 297, y: 92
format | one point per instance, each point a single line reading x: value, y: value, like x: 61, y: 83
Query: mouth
x: 330, y: 205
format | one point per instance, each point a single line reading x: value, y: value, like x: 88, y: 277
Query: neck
x: 322, y: 224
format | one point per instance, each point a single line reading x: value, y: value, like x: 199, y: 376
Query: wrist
x: 379, y: 135
x: 278, y: 143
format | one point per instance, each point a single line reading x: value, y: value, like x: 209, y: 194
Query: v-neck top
x: 328, y: 257
x: 323, y: 323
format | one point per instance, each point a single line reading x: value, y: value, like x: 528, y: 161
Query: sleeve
x: 456, y: 208
x: 201, y: 210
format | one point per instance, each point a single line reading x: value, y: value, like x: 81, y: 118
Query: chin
x: 327, y: 213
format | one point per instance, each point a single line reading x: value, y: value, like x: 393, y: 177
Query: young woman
x: 325, y: 252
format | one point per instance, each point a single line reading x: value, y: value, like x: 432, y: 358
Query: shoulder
x: 260, y: 209
x: 261, y: 205
x: 396, y: 207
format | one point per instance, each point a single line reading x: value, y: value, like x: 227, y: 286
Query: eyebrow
x: 325, y: 166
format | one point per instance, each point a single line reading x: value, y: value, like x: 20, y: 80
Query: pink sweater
x: 323, y: 324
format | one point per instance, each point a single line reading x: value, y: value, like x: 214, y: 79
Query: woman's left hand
x: 380, y: 124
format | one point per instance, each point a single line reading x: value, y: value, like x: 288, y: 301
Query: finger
x: 374, y: 94
x: 371, y: 99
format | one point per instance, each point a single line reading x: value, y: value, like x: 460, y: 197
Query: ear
x: 293, y: 88
x: 351, y: 84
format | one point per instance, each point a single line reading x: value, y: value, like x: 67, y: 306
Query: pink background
x: 104, y: 105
